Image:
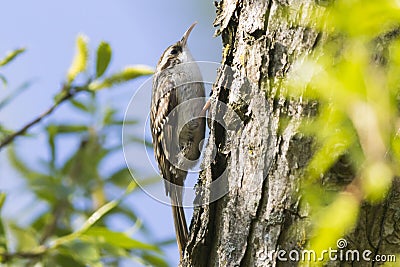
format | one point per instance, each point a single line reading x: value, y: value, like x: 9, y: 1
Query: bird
x: 177, y: 126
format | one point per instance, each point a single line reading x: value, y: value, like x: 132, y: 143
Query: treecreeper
x: 177, y: 126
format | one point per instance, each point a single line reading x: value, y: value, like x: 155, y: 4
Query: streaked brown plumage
x: 177, y: 130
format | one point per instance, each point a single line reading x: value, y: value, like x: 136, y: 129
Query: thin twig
x: 70, y: 93
x: 5, y: 256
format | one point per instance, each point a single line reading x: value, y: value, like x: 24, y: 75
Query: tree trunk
x: 261, y: 161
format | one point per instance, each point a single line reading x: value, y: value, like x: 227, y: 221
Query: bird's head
x: 176, y: 53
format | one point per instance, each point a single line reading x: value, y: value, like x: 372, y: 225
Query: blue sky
x: 138, y: 32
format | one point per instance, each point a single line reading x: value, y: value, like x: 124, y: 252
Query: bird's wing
x: 163, y: 126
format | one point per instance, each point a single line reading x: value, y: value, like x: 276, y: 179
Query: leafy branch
x: 95, y: 217
x: 354, y: 75
x: 78, y: 66
x: 72, y: 92
x: 7, y: 59
x: 53, y: 239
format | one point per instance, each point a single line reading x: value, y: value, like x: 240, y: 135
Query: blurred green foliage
x: 354, y: 76
x: 74, y: 189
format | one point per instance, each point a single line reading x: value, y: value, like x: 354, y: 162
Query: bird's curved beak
x: 186, y: 34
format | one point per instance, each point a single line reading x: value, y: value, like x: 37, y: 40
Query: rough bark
x: 264, y: 157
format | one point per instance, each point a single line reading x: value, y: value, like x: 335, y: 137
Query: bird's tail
x: 179, y: 220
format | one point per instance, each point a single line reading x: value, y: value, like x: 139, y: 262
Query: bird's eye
x: 174, y: 52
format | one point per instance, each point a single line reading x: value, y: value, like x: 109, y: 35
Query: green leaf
x: 119, y: 122
x: 333, y: 222
x: 154, y: 260
x: 98, y: 214
x: 3, y: 80
x: 79, y: 63
x: 3, y: 240
x: 121, y: 178
x: 118, y: 239
x: 66, y: 129
x: 166, y: 242
x: 11, y: 56
x: 131, y: 186
x: 4, y: 132
x: 83, y: 165
x: 92, y: 220
x: 95, y: 217
x: 52, y: 132
x: 15, y: 93
x: 139, y: 140
x: 113, y: 251
x: 2, y: 199
x: 44, y: 186
x: 79, y: 105
x: 49, y: 189
x: 66, y: 260
x: 25, y: 238
x: 82, y: 251
x: 103, y: 58
x: 125, y: 75
x: 109, y: 116
x: 127, y: 122
x: 19, y: 165
x: 376, y: 181
x: 128, y: 212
